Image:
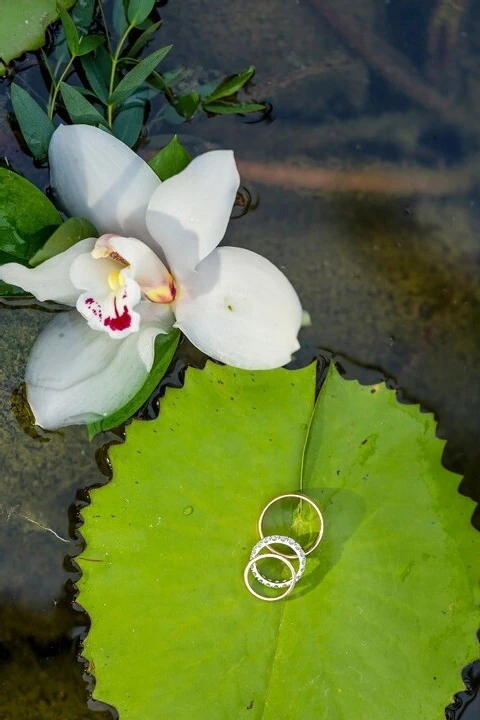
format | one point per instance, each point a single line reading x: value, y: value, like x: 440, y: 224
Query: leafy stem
x: 56, y: 87
x: 105, y: 26
x: 115, y: 61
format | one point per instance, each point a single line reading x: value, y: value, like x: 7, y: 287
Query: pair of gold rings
x: 266, y: 541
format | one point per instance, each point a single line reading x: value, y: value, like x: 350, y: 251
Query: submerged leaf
x: 387, y: 611
x: 170, y: 160
x: 186, y: 105
x: 231, y: 85
x: 231, y: 108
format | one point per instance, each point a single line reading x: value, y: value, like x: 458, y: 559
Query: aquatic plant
x: 231, y: 303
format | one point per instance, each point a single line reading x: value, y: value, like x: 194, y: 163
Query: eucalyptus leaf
x: 17, y: 36
x: 79, y: 108
x: 86, y: 92
x: 70, y: 30
x: 67, y: 234
x: 36, y: 127
x: 231, y: 108
x: 165, y: 347
x: 186, y: 105
x: 231, y: 85
x: 27, y: 219
x: 143, y: 39
x: 138, y: 75
x: 119, y: 16
x: 82, y: 16
x: 139, y: 10
x: 95, y: 77
x: 89, y: 43
x: 170, y: 160
x: 128, y: 122
x: 386, y: 613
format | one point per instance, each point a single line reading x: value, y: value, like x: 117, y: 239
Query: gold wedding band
x: 276, y: 556
x: 300, y: 496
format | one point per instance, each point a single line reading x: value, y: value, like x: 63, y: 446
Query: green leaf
x: 386, y: 614
x: 186, y: 105
x: 165, y: 347
x: 67, y: 234
x: 139, y: 10
x: 89, y: 43
x: 36, y: 127
x: 104, y: 63
x: 119, y: 17
x: 170, y: 160
x: 231, y: 85
x: 138, y: 75
x: 79, y: 108
x: 82, y: 16
x: 70, y: 30
x: 226, y: 108
x: 95, y: 77
x: 17, y: 36
x: 128, y: 122
x: 141, y: 41
x: 27, y: 219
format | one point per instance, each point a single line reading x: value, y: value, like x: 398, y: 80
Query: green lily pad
x: 387, y: 612
x: 23, y: 25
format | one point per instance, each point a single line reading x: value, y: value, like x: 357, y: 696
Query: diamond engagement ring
x: 277, y: 540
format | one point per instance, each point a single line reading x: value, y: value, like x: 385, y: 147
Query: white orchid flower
x: 155, y: 266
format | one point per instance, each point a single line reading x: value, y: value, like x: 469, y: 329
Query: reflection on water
x: 390, y: 276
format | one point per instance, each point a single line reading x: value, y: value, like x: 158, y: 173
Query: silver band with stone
x: 278, y: 540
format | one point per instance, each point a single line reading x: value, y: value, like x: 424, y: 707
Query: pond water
x: 364, y: 181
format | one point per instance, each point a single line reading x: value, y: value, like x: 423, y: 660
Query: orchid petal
x: 143, y: 265
x: 158, y: 313
x: 96, y: 176
x: 51, y: 279
x: 76, y: 375
x: 87, y: 273
x: 188, y: 214
x: 240, y: 309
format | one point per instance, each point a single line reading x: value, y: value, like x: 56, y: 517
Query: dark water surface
x: 389, y: 271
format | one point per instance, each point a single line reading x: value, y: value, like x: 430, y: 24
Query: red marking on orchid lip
x: 94, y: 307
x: 119, y: 321
x: 173, y: 290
